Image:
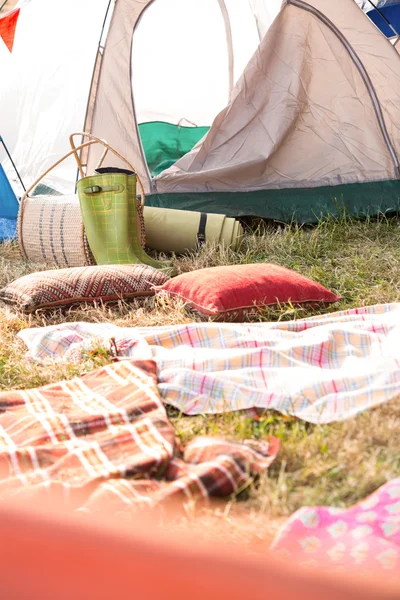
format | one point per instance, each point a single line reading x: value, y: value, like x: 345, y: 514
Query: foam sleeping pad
x: 180, y: 231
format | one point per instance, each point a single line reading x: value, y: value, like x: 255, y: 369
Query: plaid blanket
x: 365, y: 537
x: 103, y: 441
x: 322, y: 369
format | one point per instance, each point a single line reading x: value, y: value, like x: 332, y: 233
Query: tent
x: 385, y: 14
x: 8, y: 208
x: 243, y: 107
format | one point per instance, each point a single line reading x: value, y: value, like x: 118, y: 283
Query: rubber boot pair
x: 111, y: 220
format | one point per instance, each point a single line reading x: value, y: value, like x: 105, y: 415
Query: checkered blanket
x: 365, y: 537
x: 322, y: 369
x: 103, y: 441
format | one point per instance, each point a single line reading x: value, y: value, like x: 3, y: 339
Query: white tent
x: 233, y: 106
x: 45, y: 83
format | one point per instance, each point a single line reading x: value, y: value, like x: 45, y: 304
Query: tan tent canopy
x: 317, y: 105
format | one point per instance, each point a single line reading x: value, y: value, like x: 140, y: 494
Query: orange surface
x: 52, y: 555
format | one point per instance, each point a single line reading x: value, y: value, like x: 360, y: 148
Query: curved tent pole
x: 150, y: 179
x: 228, y: 31
x: 225, y: 16
x: 98, y: 54
x: 99, y: 47
x: 134, y: 17
x: 105, y: 21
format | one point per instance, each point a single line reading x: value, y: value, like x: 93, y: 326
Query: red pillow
x: 240, y: 289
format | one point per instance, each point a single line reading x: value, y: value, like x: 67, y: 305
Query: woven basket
x: 50, y: 231
x: 50, y: 228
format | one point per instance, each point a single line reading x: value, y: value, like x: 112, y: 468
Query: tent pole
x: 4, y: 3
x: 396, y: 33
x: 12, y: 162
x: 228, y: 32
x: 99, y: 49
x: 104, y: 23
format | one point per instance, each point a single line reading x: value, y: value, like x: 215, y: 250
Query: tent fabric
x: 48, y: 79
x: 8, y: 208
x: 119, y: 128
x: 165, y: 143
x: 8, y: 201
x: 8, y: 24
x: 366, y: 4
x: 130, y: 56
x: 302, y: 205
x: 392, y: 13
x: 298, y: 115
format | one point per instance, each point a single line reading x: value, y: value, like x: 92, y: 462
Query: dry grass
x: 337, y: 464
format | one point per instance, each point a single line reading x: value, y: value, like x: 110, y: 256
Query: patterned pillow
x: 62, y: 287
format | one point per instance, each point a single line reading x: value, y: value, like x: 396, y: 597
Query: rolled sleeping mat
x: 179, y: 231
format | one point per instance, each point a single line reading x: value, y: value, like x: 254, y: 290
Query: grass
x: 336, y: 464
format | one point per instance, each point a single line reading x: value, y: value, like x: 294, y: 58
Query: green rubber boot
x: 109, y: 214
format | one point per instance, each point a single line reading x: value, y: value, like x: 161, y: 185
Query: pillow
x: 62, y: 287
x: 239, y: 289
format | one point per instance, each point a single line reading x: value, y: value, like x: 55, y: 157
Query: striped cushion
x: 62, y: 287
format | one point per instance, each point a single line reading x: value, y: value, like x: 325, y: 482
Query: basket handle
x: 95, y: 140
x: 39, y: 179
x: 25, y: 196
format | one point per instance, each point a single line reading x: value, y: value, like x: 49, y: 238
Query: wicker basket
x: 50, y: 228
x: 50, y: 231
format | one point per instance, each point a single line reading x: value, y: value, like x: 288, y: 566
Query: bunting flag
x: 8, y: 24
